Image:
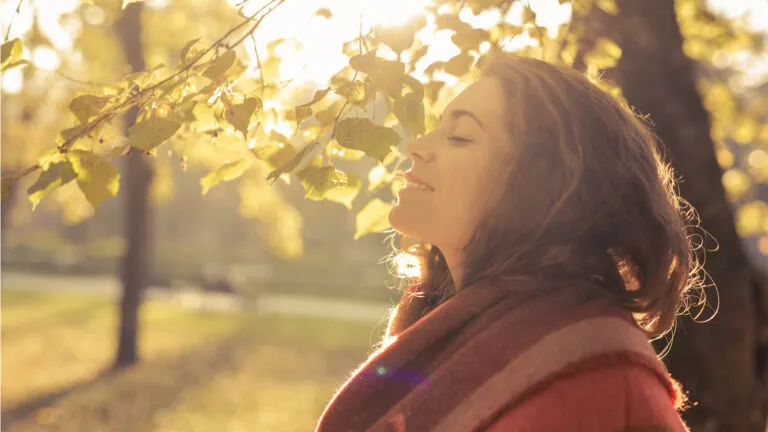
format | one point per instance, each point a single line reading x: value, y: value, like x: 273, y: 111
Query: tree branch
x: 138, y: 96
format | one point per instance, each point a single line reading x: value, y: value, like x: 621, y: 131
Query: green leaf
x: 374, y: 217
x: 318, y: 181
x: 459, y: 65
x: 286, y: 166
x: 57, y: 175
x: 86, y: 106
x: 96, y: 177
x: 362, y: 134
x: 11, y: 51
x: 323, y: 12
x: 220, y: 65
x: 605, y: 54
x: 185, y: 50
x: 228, y: 171
x: 239, y: 115
x: 409, y: 110
x: 150, y: 133
x: 356, y: 92
x: 346, y: 194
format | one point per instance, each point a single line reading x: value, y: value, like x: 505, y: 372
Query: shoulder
x: 607, y: 398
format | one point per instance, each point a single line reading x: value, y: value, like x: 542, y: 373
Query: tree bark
x: 717, y: 361
x: 136, y: 182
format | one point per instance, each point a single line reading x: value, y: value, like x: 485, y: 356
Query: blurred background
x: 248, y: 305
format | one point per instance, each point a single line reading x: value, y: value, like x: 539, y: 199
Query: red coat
x: 606, y: 399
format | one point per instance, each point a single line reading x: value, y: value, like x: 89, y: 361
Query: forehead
x: 485, y: 98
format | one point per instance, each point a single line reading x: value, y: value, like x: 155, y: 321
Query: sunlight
x: 407, y: 265
x: 12, y: 81
x: 45, y: 58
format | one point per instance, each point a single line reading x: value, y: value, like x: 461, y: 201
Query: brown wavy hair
x: 587, y: 197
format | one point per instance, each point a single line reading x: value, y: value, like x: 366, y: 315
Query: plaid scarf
x: 480, y: 353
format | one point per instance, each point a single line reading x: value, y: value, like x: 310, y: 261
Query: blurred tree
x: 275, y: 118
x: 138, y: 177
x: 717, y: 361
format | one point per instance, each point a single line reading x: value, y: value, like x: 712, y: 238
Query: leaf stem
x: 10, y: 24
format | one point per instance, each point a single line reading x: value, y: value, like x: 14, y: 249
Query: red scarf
x: 480, y: 353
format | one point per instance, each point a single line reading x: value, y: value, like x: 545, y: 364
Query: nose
x: 419, y: 148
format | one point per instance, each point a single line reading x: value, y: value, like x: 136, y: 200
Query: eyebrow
x: 455, y: 114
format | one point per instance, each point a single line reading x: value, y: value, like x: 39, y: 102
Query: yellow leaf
x: 11, y: 52
x: 96, y: 177
x: 356, y: 92
x: 374, y: 217
x: 318, y: 181
x: 750, y: 218
x: 228, y: 171
x: 220, y: 65
x: 528, y: 16
x: 376, y: 177
x: 459, y: 65
x: 57, y: 175
x: 239, y: 115
x: 86, y: 106
x: 346, y: 194
x: 362, y: 134
x: 604, y: 55
x: 609, y: 6
x: 323, y: 12
x: 302, y: 112
x: 150, y: 133
x: 410, y: 112
x: 736, y: 183
x: 336, y: 151
x: 291, y: 164
x: 186, y: 49
x: 470, y: 39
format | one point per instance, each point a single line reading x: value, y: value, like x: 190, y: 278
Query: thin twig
x: 258, y: 63
x: 10, y: 24
x: 132, y: 100
x: 77, y: 81
x: 256, y: 24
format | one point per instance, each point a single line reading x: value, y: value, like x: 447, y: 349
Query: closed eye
x: 459, y: 139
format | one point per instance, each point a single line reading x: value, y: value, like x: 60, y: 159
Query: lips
x: 417, y: 181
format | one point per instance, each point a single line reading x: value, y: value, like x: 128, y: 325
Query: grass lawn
x: 200, y: 372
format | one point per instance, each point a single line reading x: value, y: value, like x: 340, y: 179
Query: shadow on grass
x: 129, y: 397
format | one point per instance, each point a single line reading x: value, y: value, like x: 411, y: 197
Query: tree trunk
x: 136, y: 181
x: 716, y: 361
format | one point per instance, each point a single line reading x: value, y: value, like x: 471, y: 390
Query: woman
x: 553, y: 247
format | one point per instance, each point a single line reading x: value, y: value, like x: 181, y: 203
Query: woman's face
x: 457, y: 169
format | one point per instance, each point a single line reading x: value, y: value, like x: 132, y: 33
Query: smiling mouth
x: 416, y: 185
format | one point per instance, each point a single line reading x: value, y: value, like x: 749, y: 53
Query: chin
x: 403, y: 220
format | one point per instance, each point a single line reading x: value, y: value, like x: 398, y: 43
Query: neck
x: 455, y: 261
